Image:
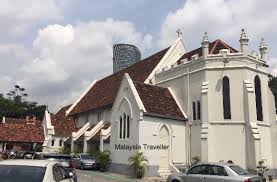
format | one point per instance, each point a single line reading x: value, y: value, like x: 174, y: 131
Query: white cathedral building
x: 212, y: 102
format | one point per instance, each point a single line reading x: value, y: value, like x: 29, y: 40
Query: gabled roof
x: 63, y: 125
x: 104, y: 91
x: 18, y: 130
x: 214, y: 48
x: 158, y: 101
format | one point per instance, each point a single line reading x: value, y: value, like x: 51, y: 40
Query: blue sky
x: 56, y: 48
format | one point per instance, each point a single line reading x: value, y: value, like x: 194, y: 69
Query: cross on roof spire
x: 179, y: 32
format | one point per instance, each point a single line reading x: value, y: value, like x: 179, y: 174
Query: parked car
x: 24, y: 155
x: 62, y: 158
x: 33, y: 170
x: 214, y: 172
x: 83, y: 161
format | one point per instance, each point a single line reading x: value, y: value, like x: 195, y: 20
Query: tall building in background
x: 124, y: 55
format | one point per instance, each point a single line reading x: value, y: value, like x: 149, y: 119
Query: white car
x: 33, y: 171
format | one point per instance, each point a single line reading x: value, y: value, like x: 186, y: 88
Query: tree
x: 273, y: 86
x: 15, y: 105
x: 138, y: 162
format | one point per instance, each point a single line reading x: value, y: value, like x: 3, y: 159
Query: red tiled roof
x: 158, y: 101
x: 63, y: 125
x: 214, y: 48
x: 17, y: 130
x: 104, y: 91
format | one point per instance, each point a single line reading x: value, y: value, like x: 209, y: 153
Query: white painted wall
x: 56, y: 147
x: 149, y: 129
x: 92, y: 116
x: 125, y: 102
x: 223, y: 132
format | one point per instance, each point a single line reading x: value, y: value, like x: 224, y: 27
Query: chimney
x: 205, y: 45
x: 263, y: 50
x: 34, y: 118
x: 244, y: 42
x: 3, y: 120
x: 27, y: 119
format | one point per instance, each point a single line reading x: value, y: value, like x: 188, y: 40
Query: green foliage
x: 273, y: 86
x: 104, y: 160
x: 77, y: 149
x: 15, y: 105
x: 65, y: 150
x: 195, y: 160
x: 261, y: 168
x: 138, y: 162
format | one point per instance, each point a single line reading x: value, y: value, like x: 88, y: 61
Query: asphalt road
x: 92, y: 176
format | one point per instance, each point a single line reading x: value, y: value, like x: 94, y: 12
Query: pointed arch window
x: 194, y: 110
x: 258, y: 95
x: 198, y: 110
x: 124, y: 126
x: 128, y: 127
x: 226, y: 98
x: 120, y: 127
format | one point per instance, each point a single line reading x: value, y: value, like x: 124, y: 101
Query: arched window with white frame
x: 198, y: 110
x: 124, y: 126
x: 193, y: 111
x: 226, y: 98
x: 258, y: 95
x: 120, y: 127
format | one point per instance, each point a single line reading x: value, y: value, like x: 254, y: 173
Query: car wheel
x: 82, y: 167
x: 175, y: 180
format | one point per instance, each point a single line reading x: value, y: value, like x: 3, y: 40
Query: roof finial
x: 205, y: 37
x: 262, y: 44
x: 179, y: 33
x: 243, y: 34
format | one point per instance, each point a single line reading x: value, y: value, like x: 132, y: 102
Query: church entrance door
x: 164, y: 154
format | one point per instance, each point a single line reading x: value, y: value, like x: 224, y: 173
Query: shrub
x: 104, y: 160
x: 138, y: 163
x: 195, y: 160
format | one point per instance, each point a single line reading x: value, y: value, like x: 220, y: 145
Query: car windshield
x: 239, y: 170
x: 85, y: 157
x: 13, y: 173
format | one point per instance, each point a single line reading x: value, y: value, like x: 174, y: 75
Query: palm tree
x: 138, y: 163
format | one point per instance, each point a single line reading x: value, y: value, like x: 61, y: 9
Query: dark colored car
x: 24, y: 155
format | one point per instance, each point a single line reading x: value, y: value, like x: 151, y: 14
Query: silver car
x: 214, y: 172
x: 83, y: 161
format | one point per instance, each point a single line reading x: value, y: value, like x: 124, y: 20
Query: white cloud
x: 5, y: 82
x: 19, y: 16
x: 221, y: 18
x: 54, y: 35
x: 30, y: 9
x: 70, y: 57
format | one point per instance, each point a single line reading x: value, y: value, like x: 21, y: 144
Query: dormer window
x: 52, y: 142
x: 61, y: 142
